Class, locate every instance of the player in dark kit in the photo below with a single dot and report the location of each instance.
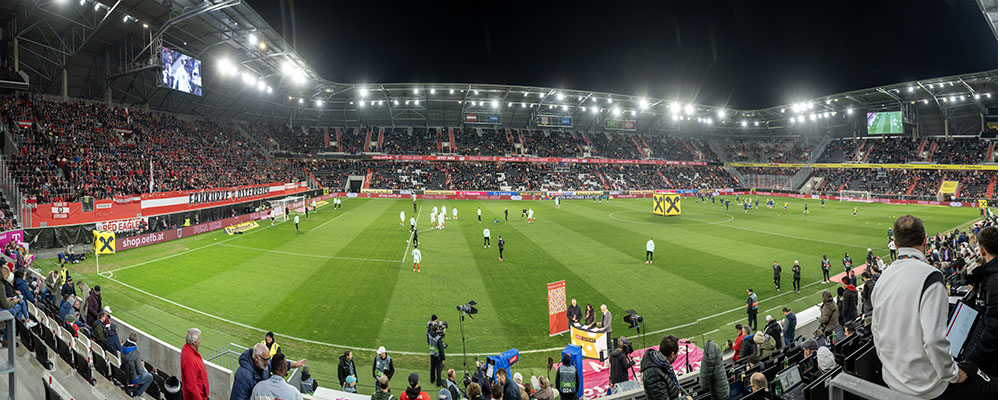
(777, 276)
(500, 242)
(524, 213)
(504, 216)
(415, 241)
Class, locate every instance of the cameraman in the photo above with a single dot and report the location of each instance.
(435, 340)
(620, 361)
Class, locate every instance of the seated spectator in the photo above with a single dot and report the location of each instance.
(413, 392)
(658, 379)
(825, 360)
(475, 392)
(275, 386)
(66, 306)
(765, 343)
(134, 367)
(308, 385)
(758, 383)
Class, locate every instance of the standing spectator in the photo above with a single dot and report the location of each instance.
(773, 329)
(510, 389)
(748, 350)
(738, 342)
(133, 366)
(253, 369)
(67, 288)
(712, 377)
(193, 374)
(567, 379)
(382, 388)
(829, 315)
(275, 386)
(346, 368)
(94, 305)
(848, 263)
(777, 276)
(796, 276)
(573, 313)
(658, 379)
(909, 324)
(383, 365)
(850, 310)
(790, 322)
(414, 392)
(751, 309)
(452, 386)
(984, 277)
(472, 392)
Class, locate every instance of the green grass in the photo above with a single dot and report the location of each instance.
(342, 281)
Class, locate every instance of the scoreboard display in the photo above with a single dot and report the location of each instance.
(619, 125)
(555, 121)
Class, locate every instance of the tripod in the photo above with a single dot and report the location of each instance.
(465, 356)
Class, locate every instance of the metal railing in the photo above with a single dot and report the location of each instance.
(227, 356)
(846, 383)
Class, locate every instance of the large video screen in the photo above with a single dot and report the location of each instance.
(885, 123)
(181, 72)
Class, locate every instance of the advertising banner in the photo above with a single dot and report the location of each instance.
(104, 242)
(592, 342)
(948, 187)
(241, 227)
(531, 159)
(121, 225)
(666, 204)
(146, 239)
(557, 308)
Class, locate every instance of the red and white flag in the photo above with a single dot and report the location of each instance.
(128, 118)
(471, 117)
(24, 123)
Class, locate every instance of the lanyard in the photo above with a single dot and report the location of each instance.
(905, 256)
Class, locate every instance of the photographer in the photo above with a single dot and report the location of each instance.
(435, 340)
(620, 361)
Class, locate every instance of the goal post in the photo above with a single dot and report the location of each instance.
(292, 203)
(855, 195)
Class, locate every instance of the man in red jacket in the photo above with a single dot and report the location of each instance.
(738, 342)
(193, 375)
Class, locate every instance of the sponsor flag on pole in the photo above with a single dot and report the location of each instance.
(151, 176)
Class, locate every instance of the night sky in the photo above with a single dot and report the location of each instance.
(735, 54)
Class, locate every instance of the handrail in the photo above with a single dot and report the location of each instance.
(847, 383)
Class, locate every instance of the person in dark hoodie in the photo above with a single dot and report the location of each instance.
(382, 389)
(773, 329)
(619, 362)
(984, 278)
(133, 366)
(658, 379)
(748, 349)
(850, 310)
(712, 377)
(510, 390)
(346, 367)
(414, 392)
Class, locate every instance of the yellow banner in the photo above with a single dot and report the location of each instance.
(382, 191)
(240, 228)
(666, 204)
(640, 192)
(104, 242)
(869, 166)
(948, 187)
(588, 192)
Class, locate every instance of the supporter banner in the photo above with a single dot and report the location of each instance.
(531, 159)
(446, 192)
(104, 242)
(241, 227)
(874, 200)
(910, 166)
(592, 342)
(557, 308)
(23, 123)
(376, 191)
(174, 234)
(640, 192)
(766, 165)
(948, 187)
(121, 225)
(666, 204)
(151, 204)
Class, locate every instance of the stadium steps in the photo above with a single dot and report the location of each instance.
(868, 152)
(912, 186)
(989, 154)
(820, 148)
(930, 153)
(246, 135)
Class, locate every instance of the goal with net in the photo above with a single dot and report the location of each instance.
(856, 195)
(290, 203)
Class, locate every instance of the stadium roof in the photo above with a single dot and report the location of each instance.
(109, 51)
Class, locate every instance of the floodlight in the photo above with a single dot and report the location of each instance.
(451, 91)
(689, 109)
(616, 111)
(802, 118)
(363, 92)
(380, 102)
(480, 102)
(593, 110)
(812, 117)
(609, 100)
(850, 111)
(559, 96)
(941, 85)
(826, 115)
(247, 78)
(743, 123)
(952, 98)
(675, 106)
(551, 106)
(433, 91)
(494, 104)
(145, 26)
(97, 6)
(476, 92)
(540, 95)
(125, 19)
(510, 104)
(301, 101)
(269, 90)
(643, 103)
(261, 85)
(525, 94)
(252, 39)
(925, 101)
(989, 96)
(791, 121)
(579, 98)
(361, 104)
(756, 123)
(319, 103)
(416, 102)
(722, 114)
(416, 91)
(977, 96)
(782, 110)
(960, 98)
(583, 108)
(565, 107)
(372, 103)
(708, 121)
(594, 99)
(395, 102)
(944, 99)
(827, 101)
(523, 105)
(407, 102)
(262, 46)
(910, 89)
(633, 113)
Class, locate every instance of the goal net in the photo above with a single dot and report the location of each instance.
(856, 195)
(291, 203)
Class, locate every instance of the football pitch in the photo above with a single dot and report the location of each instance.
(345, 280)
